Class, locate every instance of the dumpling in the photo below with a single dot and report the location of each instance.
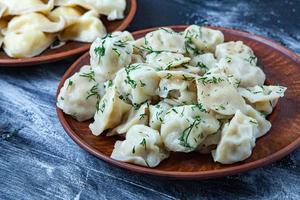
(199, 39)
(263, 98)
(247, 74)
(135, 116)
(113, 9)
(111, 53)
(162, 39)
(29, 35)
(110, 112)
(263, 125)
(216, 93)
(80, 27)
(137, 83)
(81, 93)
(34, 21)
(185, 127)
(157, 113)
(142, 146)
(17, 7)
(237, 140)
(166, 60)
(27, 44)
(204, 62)
(178, 86)
(236, 49)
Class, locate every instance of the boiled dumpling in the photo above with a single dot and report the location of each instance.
(247, 74)
(80, 26)
(86, 29)
(110, 112)
(237, 139)
(163, 39)
(34, 21)
(27, 44)
(157, 113)
(202, 40)
(70, 14)
(114, 9)
(177, 86)
(263, 98)
(216, 93)
(29, 35)
(111, 52)
(135, 116)
(137, 83)
(204, 62)
(20, 7)
(81, 93)
(185, 127)
(263, 125)
(142, 146)
(236, 49)
(166, 60)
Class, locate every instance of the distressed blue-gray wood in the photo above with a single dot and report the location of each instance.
(39, 161)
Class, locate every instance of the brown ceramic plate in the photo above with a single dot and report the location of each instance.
(71, 48)
(280, 65)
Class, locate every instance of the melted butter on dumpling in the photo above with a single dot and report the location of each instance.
(20, 7)
(114, 9)
(142, 146)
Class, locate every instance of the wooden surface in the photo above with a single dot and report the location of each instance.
(38, 160)
(283, 138)
(70, 48)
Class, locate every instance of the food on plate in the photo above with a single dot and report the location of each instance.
(173, 92)
(29, 27)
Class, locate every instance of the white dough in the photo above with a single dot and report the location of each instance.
(111, 53)
(80, 94)
(142, 146)
(185, 127)
(237, 140)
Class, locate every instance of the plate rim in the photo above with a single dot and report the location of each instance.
(202, 175)
(42, 59)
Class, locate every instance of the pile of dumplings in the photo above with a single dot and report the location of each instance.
(172, 92)
(28, 27)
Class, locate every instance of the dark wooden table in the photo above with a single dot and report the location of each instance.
(38, 160)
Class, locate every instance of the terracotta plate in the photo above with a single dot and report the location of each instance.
(71, 48)
(281, 67)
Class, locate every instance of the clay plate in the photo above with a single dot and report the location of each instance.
(281, 67)
(71, 48)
